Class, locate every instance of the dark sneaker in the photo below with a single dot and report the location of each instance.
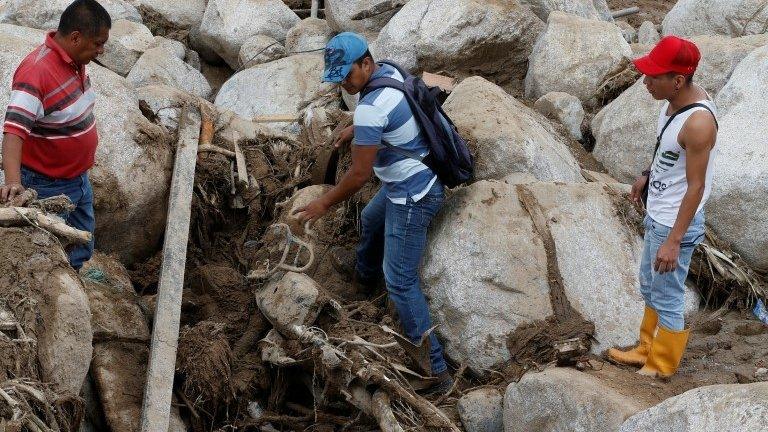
(441, 387)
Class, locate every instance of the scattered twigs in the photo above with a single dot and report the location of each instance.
(215, 149)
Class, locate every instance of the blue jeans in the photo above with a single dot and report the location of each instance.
(393, 239)
(80, 193)
(664, 292)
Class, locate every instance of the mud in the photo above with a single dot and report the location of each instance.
(650, 10)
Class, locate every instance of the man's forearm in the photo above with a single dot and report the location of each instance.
(12, 158)
(350, 183)
(687, 212)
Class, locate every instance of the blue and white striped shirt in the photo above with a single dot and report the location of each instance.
(385, 116)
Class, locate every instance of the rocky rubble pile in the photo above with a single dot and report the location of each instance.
(557, 120)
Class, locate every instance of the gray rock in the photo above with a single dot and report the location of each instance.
(160, 66)
(339, 15)
(509, 136)
(565, 108)
(719, 57)
(308, 35)
(647, 33)
(206, 52)
(192, 58)
(473, 37)
(485, 267)
(293, 299)
(227, 24)
(260, 49)
(172, 46)
(482, 411)
(575, 55)
(736, 210)
(45, 14)
(731, 18)
(582, 8)
(127, 41)
(282, 95)
(629, 32)
(179, 15)
(565, 400)
(721, 408)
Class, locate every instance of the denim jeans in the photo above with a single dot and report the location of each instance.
(80, 192)
(664, 292)
(392, 240)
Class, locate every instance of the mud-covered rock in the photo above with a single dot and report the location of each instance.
(293, 299)
(560, 399)
(506, 135)
(339, 15)
(470, 37)
(482, 410)
(575, 55)
(167, 15)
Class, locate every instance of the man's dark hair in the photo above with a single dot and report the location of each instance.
(86, 16)
(359, 61)
(688, 78)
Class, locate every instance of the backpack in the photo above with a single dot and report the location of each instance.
(449, 157)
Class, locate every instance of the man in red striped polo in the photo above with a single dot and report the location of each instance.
(50, 136)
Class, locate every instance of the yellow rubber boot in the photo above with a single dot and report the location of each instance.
(666, 352)
(637, 355)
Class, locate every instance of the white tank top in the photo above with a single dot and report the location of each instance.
(668, 182)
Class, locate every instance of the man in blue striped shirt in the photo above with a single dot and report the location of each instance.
(395, 222)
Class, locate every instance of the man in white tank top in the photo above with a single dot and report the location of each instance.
(679, 182)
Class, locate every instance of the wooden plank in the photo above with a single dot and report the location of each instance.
(313, 10)
(156, 408)
(625, 12)
(242, 168)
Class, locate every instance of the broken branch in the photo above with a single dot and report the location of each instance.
(21, 216)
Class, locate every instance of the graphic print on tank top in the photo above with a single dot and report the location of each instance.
(668, 182)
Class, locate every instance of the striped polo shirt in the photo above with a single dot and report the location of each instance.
(51, 109)
(385, 116)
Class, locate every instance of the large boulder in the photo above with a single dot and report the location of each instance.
(45, 14)
(625, 133)
(286, 86)
(308, 35)
(260, 49)
(44, 295)
(719, 57)
(736, 210)
(731, 18)
(582, 8)
(227, 24)
(127, 41)
(560, 400)
(481, 410)
(339, 15)
(470, 37)
(728, 407)
(132, 173)
(564, 108)
(507, 136)
(575, 55)
(485, 267)
(164, 15)
(161, 66)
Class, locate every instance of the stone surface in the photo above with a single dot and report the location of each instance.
(482, 411)
(575, 55)
(44, 295)
(565, 108)
(629, 32)
(173, 46)
(564, 400)
(260, 49)
(300, 199)
(731, 18)
(308, 35)
(339, 15)
(647, 33)
(45, 14)
(470, 37)
(293, 299)
(227, 24)
(132, 173)
(736, 210)
(722, 408)
(507, 135)
(485, 267)
(127, 41)
(582, 8)
(288, 84)
(625, 133)
(171, 14)
(719, 57)
(160, 66)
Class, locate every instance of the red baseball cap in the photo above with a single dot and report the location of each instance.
(671, 54)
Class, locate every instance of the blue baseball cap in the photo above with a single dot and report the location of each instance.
(340, 53)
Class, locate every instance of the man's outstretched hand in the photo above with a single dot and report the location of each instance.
(345, 137)
(312, 211)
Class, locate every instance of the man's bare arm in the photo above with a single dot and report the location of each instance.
(11, 167)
